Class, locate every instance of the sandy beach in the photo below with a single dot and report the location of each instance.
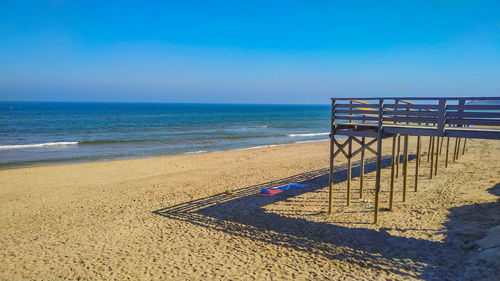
(168, 218)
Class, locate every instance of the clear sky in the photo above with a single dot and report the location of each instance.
(247, 51)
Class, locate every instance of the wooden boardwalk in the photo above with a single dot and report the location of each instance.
(368, 121)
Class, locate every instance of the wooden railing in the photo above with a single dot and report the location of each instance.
(428, 113)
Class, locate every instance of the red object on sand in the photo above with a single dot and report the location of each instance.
(271, 192)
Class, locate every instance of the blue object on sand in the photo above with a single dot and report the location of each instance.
(291, 186)
(271, 192)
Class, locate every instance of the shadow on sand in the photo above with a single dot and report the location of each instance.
(243, 215)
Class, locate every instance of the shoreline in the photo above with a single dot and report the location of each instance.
(8, 166)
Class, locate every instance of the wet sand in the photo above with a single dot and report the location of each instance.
(168, 218)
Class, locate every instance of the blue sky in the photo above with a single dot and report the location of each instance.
(247, 51)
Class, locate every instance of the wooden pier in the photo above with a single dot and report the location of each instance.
(368, 121)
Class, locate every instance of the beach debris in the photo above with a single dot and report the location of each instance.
(274, 191)
(309, 216)
(228, 192)
(368, 207)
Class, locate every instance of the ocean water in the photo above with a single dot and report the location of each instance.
(49, 132)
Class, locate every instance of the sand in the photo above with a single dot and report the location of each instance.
(167, 218)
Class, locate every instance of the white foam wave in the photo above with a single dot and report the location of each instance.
(20, 146)
(260, 146)
(196, 152)
(309, 141)
(308, 135)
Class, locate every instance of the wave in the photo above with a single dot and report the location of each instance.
(310, 141)
(260, 127)
(196, 152)
(263, 146)
(249, 137)
(308, 135)
(108, 141)
(21, 146)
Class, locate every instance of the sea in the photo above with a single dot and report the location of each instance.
(65, 132)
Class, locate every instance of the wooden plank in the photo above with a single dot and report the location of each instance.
(410, 130)
(413, 106)
(350, 117)
(414, 120)
(474, 107)
(395, 113)
(477, 114)
(351, 133)
(483, 122)
(472, 134)
(357, 112)
(347, 105)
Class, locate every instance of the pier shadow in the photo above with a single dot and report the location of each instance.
(243, 215)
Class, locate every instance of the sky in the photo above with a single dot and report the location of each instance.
(247, 51)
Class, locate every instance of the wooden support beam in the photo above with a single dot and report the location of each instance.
(340, 148)
(419, 149)
(417, 165)
(405, 167)
(349, 170)
(463, 150)
(458, 147)
(429, 149)
(455, 150)
(393, 173)
(398, 158)
(365, 146)
(332, 138)
(362, 172)
(379, 158)
(432, 157)
(447, 151)
(438, 139)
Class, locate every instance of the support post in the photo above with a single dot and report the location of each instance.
(379, 157)
(437, 155)
(405, 167)
(458, 147)
(432, 157)
(393, 173)
(349, 171)
(429, 149)
(361, 176)
(417, 164)
(419, 150)
(455, 150)
(332, 138)
(398, 157)
(463, 150)
(447, 151)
